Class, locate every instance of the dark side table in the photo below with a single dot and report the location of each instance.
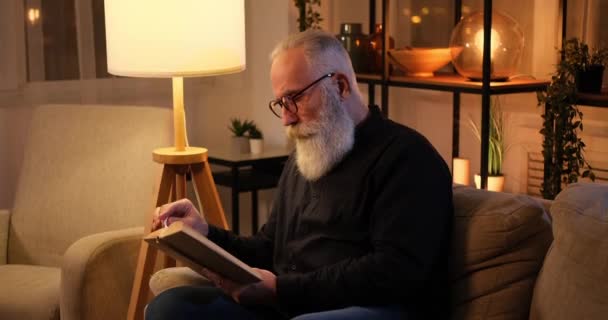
(247, 173)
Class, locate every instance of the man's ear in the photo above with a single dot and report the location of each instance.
(343, 85)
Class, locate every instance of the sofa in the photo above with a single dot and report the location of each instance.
(514, 256)
(68, 245)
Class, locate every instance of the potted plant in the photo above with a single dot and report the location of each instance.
(308, 16)
(586, 66)
(496, 150)
(563, 149)
(256, 142)
(239, 142)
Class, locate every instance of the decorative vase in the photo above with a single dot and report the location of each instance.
(506, 47)
(256, 145)
(590, 80)
(357, 45)
(495, 183)
(239, 145)
(376, 42)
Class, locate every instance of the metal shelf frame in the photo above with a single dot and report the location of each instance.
(449, 82)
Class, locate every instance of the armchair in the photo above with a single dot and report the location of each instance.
(69, 245)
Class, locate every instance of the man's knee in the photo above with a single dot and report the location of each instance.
(356, 313)
(172, 303)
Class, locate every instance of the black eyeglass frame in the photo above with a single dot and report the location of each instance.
(283, 104)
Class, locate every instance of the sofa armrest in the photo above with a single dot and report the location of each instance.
(5, 219)
(97, 275)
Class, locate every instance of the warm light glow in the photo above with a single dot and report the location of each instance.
(416, 19)
(466, 10)
(440, 10)
(505, 49)
(33, 15)
(424, 11)
(175, 38)
(494, 41)
(461, 171)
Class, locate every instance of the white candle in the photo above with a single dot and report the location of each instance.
(461, 171)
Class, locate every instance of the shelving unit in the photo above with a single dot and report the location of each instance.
(593, 100)
(455, 83)
(449, 82)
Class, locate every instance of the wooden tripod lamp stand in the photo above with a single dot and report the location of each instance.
(175, 39)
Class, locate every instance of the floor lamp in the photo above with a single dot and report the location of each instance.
(175, 39)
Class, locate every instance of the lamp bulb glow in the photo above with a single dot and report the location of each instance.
(506, 47)
(33, 15)
(494, 41)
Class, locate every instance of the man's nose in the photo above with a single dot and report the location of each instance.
(288, 117)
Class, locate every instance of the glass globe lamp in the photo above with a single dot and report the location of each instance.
(466, 46)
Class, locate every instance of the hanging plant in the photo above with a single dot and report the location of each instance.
(308, 14)
(563, 149)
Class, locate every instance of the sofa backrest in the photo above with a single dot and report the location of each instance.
(573, 283)
(499, 243)
(86, 169)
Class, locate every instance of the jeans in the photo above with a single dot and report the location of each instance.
(211, 303)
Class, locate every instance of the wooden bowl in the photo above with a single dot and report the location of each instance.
(420, 62)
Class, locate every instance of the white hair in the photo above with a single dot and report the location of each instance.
(323, 53)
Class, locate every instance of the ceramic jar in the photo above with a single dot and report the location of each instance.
(357, 45)
(376, 44)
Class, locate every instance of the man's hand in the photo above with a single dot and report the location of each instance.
(180, 210)
(260, 293)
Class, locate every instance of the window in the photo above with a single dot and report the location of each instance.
(65, 39)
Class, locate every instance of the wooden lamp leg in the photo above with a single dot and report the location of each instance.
(205, 187)
(173, 187)
(147, 256)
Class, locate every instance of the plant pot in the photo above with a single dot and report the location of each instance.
(239, 145)
(590, 80)
(495, 183)
(256, 146)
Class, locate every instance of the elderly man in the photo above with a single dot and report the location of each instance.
(360, 226)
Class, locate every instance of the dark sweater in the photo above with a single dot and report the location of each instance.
(374, 230)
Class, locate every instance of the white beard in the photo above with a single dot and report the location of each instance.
(322, 144)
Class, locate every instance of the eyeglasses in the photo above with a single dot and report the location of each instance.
(289, 101)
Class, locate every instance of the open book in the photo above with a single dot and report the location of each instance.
(196, 251)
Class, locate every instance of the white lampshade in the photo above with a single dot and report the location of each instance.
(175, 38)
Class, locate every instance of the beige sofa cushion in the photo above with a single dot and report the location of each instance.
(29, 292)
(86, 169)
(499, 243)
(573, 283)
